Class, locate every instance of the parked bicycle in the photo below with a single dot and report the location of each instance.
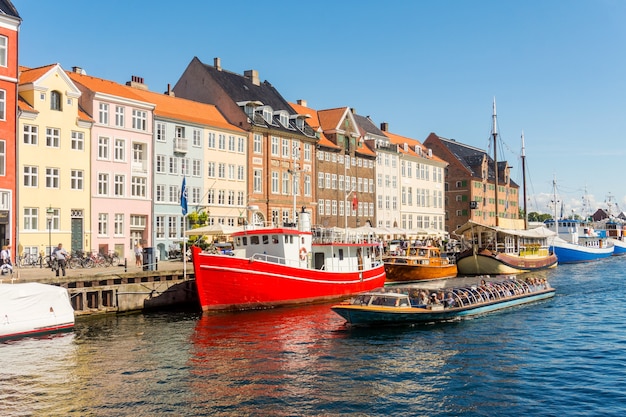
(80, 260)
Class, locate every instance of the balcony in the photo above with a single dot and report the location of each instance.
(180, 145)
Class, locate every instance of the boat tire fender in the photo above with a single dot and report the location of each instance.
(302, 254)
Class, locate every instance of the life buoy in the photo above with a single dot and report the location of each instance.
(302, 254)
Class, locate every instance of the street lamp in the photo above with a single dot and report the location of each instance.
(49, 215)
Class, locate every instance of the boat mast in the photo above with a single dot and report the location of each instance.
(524, 181)
(495, 155)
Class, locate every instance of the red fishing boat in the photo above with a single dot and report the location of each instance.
(290, 264)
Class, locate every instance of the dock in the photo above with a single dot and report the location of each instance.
(119, 289)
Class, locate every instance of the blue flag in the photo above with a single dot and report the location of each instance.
(183, 197)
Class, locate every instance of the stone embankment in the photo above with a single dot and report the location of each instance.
(119, 289)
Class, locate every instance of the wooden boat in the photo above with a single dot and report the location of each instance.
(32, 309)
(289, 264)
(502, 251)
(509, 246)
(420, 264)
(411, 305)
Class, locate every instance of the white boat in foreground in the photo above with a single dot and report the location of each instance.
(32, 309)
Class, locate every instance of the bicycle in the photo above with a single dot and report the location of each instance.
(78, 259)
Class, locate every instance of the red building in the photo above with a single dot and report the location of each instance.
(9, 28)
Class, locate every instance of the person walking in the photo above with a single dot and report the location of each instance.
(60, 254)
(138, 253)
(5, 257)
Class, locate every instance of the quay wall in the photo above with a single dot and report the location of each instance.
(119, 289)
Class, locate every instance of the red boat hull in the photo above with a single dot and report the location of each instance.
(231, 283)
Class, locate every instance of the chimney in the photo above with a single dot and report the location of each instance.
(169, 91)
(384, 126)
(217, 63)
(137, 82)
(252, 75)
(79, 70)
(302, 103)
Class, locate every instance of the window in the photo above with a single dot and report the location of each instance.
(30, 135)
(160, 227)
(241, 145)
(196, 139)
(231, 171)
(119, 151)
(160, 193)
(103, 148)
(211, 169)
(258, 142)
(55, 100)
(52, 177)
(30, 176)
(275, 146)
(211, 140)
(307, 185)
(139, 119)
(196, 167)
(53, 137)
(3, 51)
(307, 151)
(138, 186)
(240, 172)
(103, 113)
(221, 170)
(30, 218)
(118, 225)
(78, 141)
(103, 184)
(160, 164)
(258, 181)
(285, 183)
(160, 132)
(285, 148)
(103, 224)
(173, 165)
(119, 116)
(118, 185)
(3, 168)
(231, 143)
(221, 142)
(138, 153)
(275, 189)
(77, 179)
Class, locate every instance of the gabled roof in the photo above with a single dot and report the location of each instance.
(314, 122)
(367, 127)
(243, 89)
(330, 119)
(111, 88)
(7, 8)
(25, 106)
(412, 144)
(182, 109)
(471, 158)
(30, 75)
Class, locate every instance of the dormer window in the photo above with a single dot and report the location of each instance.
(249, 107)
(55, 101)
(267, 113)
(283, 117)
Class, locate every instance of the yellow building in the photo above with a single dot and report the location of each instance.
(53, 163)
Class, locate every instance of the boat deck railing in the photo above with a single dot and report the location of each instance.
(475, 294)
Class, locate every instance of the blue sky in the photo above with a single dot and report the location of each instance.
(556, 68)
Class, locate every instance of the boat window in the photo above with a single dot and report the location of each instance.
(302, 240)
(238, 241)
(266, 239)
(341, 254)
(274, 239)
(254, 240)
(244, 241)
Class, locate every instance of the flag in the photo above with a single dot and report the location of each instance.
(355, 203)
(183, 197)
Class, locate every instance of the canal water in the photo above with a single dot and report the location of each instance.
(561, 357)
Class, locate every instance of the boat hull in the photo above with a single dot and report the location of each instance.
(373, 316)
(569, 253)
(486, 262)
(397, 273)
(34, 309)
(619, 246)
(231, 283)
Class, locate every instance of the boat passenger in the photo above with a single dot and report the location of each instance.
(450, 301)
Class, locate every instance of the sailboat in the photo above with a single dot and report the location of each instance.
(576, 239)
(509, 246)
